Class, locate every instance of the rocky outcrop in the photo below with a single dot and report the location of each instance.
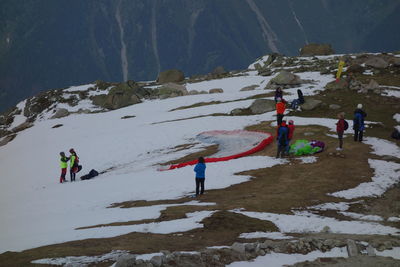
(171, 76)
(249, 88)
(61, 112)
(218, 72)
(311, 104)
(284, 79)
(316, 50)
(355, 68)
(376, 62)
(171, 90)
(337, 85)
(260, 106)
(216, 91)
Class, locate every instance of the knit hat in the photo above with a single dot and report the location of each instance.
(359, 106)
(71, 150)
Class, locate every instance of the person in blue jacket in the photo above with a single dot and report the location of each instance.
(200, 170)
(283, 140)
(358, 123)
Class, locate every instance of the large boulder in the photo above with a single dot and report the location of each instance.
(311, 104)
(372, 85)
(218, 71)
(172, 90)
(337, 85)
(216, 91)
(260, 106)
(61, 112)
(316, 50)
(355, 68)
(376, 62)
(170, 76)
(286, 78)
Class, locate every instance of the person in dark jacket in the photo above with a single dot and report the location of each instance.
(278, 94)
(200, 170)
(340, 125)
(291, 128)
(300, 97)
(63, 166)
(282, 138)
(358, 123)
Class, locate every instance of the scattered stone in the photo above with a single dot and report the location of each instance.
(316, 49)
(157, 261)
(57, 126)
(260, 106)
(237, 112)
(355, 68)
(334, 106)
(216, 91)
(376, 62)
(172, 90)
(218, 71)
(326, 229)
(371, 251)
(311, 104)
(193, 92)
(352, 248)
(171, 76)
(128, 117)
(286, 78)
(238, 247)
(249, 88)
(334, 85)
(61, 112)
(372, 85)
(126, 261)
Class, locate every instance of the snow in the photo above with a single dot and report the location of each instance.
(383, 147)
(279, 259)
(311, 223)
(19, 119)
(310, 159)
(39, 211)
(79, 88)
(395, 93)
(362, 217)
(269, 235)
(393, 219)
(340, 206)
(393, 253)
(386, 175)
(397, 117)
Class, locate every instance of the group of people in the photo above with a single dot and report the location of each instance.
(358, 125)
(74, 166)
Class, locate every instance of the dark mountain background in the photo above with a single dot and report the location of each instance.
(57, 43)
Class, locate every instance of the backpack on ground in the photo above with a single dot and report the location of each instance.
(346, 125)
(90, 175)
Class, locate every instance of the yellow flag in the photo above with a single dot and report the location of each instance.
(340, 69)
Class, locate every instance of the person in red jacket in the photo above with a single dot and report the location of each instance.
(280, 109)
(290, 135)
(340, 128)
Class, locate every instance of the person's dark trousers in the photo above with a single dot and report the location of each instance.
(73, 174)
(199, 183)
(279, 118)
(281, 151)
(358, 135)
(340, 136)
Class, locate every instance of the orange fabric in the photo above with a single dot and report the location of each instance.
(280, 108)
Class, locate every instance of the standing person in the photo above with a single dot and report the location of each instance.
(63, 166)
(358, 123)
(73, 164)
(300, 97)
(280, 109)
(282, 138)
(278, 94)
(291, 128)
(200, 170)
(340, 128)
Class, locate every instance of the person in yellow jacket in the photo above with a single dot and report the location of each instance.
(73, 164)
(63, 166)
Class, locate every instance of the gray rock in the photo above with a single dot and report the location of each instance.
(239, 247)
(61, 112)
(171, 76)
(126, 261)
(7, 139)
(193, 92)
(218, 71)
(249, 88)
(250, 247)
(260, 106)
(172, 90)
(286, 78)
(237, 111)
(157, 261)
(326, 229)
(352, 249)
(334, 85)
(311, 104)
(316, 49)
(371, 251)
(376, 62)
(216, 91)
(395, 61)
(334, 106)
(372, 85)
(22, 126)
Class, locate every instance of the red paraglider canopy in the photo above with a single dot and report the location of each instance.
(239, 143)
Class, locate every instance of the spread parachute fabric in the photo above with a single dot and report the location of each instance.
(232, 145)
(305, 147)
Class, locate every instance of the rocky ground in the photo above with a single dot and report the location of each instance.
(279, 189)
